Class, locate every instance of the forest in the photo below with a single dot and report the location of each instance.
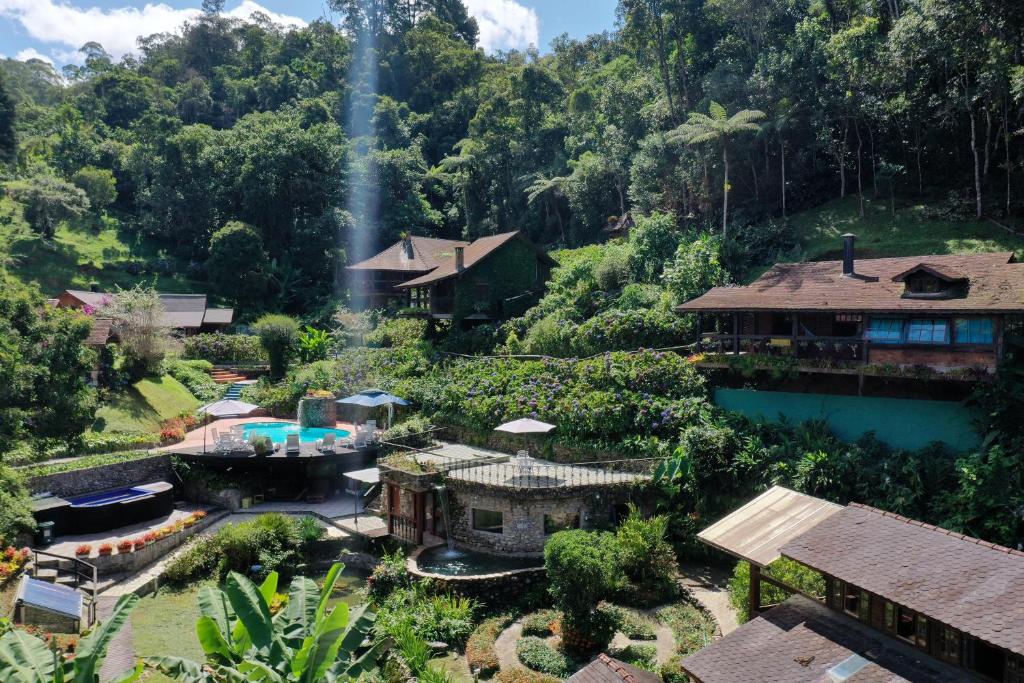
(241, 145)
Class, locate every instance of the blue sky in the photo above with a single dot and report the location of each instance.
(54, 29)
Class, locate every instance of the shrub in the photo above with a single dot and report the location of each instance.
(613, 271)
(641, 656)
(539, 656)
(124, 546)
(653, 242)
(310, 530)
(672, 671)
(278, 335)
(270, 540)
(197, 381)
(396, 332)
(632, 625)
(106, 549)
(198, 559)
(410, 432)
(223, 348)
(580, 569)
(447, 618)
(787, 571)
(389, 575)
(481, 656)
(15, 511)
(262, 445)
(521, 675)
(541, 623)
(646, 558)
(697, 267)
(691, 626)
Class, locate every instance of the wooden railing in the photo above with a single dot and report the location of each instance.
(80, 570)
(404, 528)
(806, 346)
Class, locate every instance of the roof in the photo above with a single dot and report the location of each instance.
(962, 582)
(475, 253)
(801, 640)
(428, 253)
(937, 269)
(540, 474)
(756, 531)
(51, 597)
(102, 329)
(996, 284)
(180, 310)
(218, 316)
(606, 669)
(94, 299)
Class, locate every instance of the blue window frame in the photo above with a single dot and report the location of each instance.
(974, 331)
(885, 330)
(928, 331)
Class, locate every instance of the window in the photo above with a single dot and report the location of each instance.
(885, 330)
(928, 331)
(989, 660)
(487, 520)
(922, 632)
(561, 521)
(1014, 669)
(836, 597)
(974, 331)
(864, 608)
(890, 615)
(905, 623)
(851, 601)
(949, 644)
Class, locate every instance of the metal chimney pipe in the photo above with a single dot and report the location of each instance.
(460, 258)
(848, 240)
(407, 243)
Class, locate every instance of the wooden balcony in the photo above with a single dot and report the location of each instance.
(806, 347)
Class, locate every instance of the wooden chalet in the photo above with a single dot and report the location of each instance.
(943, 312)
(376, 280)
(492, 278)
(902, 600)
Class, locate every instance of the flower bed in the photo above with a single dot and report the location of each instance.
(12, 562)
(481, 654)
(536, 654)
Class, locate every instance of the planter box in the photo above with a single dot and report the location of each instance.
(134, 561)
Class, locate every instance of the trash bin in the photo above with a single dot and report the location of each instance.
(44, 534)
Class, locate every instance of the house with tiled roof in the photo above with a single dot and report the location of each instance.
(185, 313)
(902, 600)
(944, 312)
(489, 278)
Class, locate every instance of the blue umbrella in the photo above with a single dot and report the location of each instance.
(373, 398)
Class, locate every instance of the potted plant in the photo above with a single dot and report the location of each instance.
(83, 550)
(106, 549)
(149, 537)
(124, 546)
(138, 544)
(199, 515)
(261, 445)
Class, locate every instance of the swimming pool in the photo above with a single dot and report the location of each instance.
(279, 431)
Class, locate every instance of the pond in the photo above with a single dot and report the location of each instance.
(164, 623)
(441, 560)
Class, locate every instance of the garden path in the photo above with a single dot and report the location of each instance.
(505, 646)
(121, 651)
(665, 643)
(709, 586)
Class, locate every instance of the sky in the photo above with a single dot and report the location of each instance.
(53, 30)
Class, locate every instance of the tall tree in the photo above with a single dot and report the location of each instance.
(8, 139)
(719, 128)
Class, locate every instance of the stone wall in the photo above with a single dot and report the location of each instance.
(104, 477)
(523, 514)
(117, 563)
(316, 411)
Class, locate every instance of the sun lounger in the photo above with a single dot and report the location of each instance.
(291, 444)
(327, 443)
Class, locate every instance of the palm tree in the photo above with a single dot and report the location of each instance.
(457, 169)
(549, 189)
(717, 126)
(785, 118)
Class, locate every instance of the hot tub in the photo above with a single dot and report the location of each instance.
(107, 510)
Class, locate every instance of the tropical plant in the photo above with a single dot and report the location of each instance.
(313, 344)
(278, 335)
(718, 127)
(306, 642)
(24, 658)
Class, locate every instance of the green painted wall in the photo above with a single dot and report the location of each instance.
(508, 272)
(899, 422)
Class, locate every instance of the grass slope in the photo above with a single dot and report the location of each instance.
(77, 256)
(144, 405)
(910, 233)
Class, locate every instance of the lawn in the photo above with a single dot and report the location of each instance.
(144, 405)
(80, 256)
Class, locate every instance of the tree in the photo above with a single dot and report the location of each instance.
(48, 201)
(784, 119)
(306, 642)
(236, 266)
(98, 184)
(279, 335)
(718, 127)
(8, 137)
(548, 188)
(580, 568)
(25, 658)
(137, 316)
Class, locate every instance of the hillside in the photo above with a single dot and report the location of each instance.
(144, 405)
(80, 256)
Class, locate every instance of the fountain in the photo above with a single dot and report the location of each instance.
(442, 497)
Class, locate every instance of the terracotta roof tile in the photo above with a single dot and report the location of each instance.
(606, 669)
(800, 640)
(100, 332)
(428, 253)
(996, 284)
(962, 582)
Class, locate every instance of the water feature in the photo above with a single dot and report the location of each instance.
(442, 496)
(279, 431)
(449, 562)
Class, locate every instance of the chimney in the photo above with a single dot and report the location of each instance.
(460, 259)
(848, 240)
(407, 245)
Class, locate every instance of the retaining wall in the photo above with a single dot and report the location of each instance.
(104, 477)
(496, 588)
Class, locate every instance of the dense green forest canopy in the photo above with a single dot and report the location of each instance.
(772, 105)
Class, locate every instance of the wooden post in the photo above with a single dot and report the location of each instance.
(700, 329)
(997, 323)
(735, 333)
(419, 514)
(755, 590)
(796, 333)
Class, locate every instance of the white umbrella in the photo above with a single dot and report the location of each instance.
(525, 425)
(228, 408)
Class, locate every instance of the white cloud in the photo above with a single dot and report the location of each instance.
(32, 53)
(54, 21)
(504, 24)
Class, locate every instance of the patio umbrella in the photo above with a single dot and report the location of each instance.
(374, 398)
(228, 408)
(525, 425)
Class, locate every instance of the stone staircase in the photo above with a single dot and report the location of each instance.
(226, 376)
(234, 392)
(73, 573)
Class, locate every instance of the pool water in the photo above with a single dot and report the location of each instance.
(97, 499)
(441, 560)
(279, 431)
